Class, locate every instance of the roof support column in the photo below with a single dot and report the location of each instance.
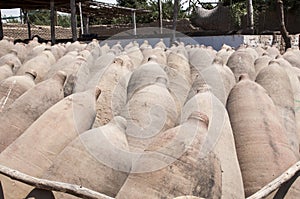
(73, 19)
(1, 27)
(52, 21)
(28, 24)
(81, 19)
(160, 16)
(134, 22)
(86, 22)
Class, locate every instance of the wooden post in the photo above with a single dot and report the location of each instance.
(28, 24)
(134, 22)
(160, 16)
(250, 21)
(21, 17)
(52, 21)
(1, 27)
(86, 22)
(283, 30)
(175, 15)
(73, 19)
(81, 19)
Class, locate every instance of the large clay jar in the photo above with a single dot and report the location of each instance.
(28, 107)
(13, 87)
(145, 75)
(275, 80)
(109, 81)
(150, 111)
(11, 57)
(241, 61)
(220, 78)
(262, 145)
(103, 151)
(37, 148)
(171, 166)
(219, 139)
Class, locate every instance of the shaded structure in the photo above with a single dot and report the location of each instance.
(84, 8)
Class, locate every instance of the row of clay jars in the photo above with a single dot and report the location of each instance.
(36, 149)
(28, 107)
(100, 160)
(262, 145)
(275, 80)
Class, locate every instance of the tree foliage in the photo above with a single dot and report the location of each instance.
(42, 17)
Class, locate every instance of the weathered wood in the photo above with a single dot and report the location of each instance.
(175, 16)
(28, 24)
(86, 20)
(1, 27)
(283, 30)
(134, 22)
(72, 189)
(160, 15)
(279, 182)
(250, 22)
(73, 19)
(52, 21)
(81, 18)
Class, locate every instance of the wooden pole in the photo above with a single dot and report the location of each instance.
(291, 174)
(86, 22)
(28, 24)
(160, 16)
(283, 30)
(81, 18)
(74, 190)
(1, 27)
(250, 16)
(175, 15)
(134, 22)
(52, 21)
(73, 20)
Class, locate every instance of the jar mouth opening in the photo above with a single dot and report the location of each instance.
(244, 76)
(203, 88)
(200, 116)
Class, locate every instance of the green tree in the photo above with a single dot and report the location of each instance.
(42, 17)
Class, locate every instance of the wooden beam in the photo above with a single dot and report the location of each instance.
(280, 181)
(72, 189)
(73, 20)
(1, 27)
(52, 21)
